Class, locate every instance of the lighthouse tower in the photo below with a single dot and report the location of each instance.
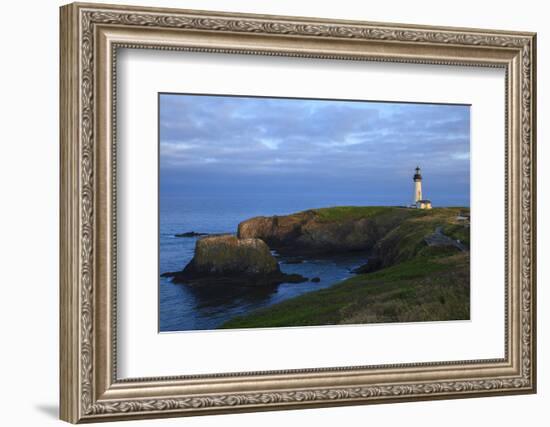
(417, 178)
(419, 202)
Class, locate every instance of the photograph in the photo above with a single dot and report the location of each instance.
(295, 212)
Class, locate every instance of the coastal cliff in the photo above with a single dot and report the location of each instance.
(325, 231)
(416, 265)
(388, 234)
(417, 269)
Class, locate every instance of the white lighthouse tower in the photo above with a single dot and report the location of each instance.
(419, 202)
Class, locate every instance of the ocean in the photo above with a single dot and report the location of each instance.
(182, 308)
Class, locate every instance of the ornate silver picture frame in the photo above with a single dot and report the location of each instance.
(91, 390)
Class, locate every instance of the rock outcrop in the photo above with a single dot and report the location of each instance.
(387, 235)
(226, 259)
(440, 239)
(190, 234)
(308, 232)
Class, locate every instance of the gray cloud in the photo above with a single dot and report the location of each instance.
(217, 141)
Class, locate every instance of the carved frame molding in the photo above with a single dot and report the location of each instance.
(90, 36)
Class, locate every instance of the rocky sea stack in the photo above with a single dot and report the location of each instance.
(228, 260)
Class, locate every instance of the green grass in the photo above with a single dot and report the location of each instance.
(412, 269)
(339, 213)
(422, 289)
(406, 240)
(458, 232)
(418, 283)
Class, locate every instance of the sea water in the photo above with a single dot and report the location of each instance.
(183, 308)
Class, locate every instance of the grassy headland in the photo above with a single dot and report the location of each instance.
(339, 213)
(413, 281)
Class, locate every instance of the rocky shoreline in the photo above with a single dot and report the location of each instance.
(386, 235)
(310, 233)
(417, 269)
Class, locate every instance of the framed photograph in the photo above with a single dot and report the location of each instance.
(266, 212)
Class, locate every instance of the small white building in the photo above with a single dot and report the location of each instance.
(419, 202)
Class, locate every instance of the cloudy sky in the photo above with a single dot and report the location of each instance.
(237, 145)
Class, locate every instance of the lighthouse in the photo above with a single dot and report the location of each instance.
(419, 202)
(417, 178)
